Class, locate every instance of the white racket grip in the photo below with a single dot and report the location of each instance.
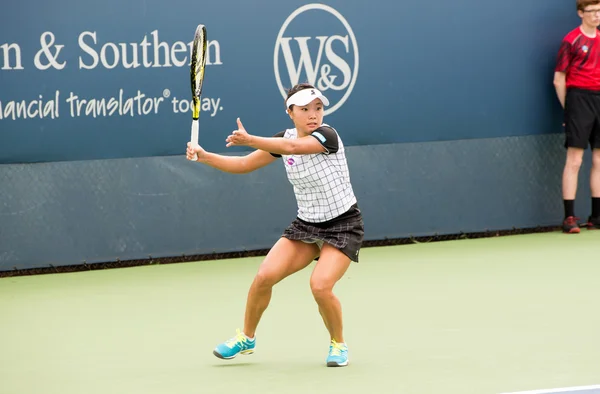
(194, 137)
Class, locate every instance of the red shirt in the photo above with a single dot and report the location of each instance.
(579, 58)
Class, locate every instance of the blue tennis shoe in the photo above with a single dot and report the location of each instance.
(338, 354)
(236, 345)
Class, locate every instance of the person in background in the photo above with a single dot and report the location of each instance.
(577, 83)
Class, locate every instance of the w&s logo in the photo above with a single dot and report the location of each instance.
(317, 45)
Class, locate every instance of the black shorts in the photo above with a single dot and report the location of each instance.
(582, 118)
(345, 232)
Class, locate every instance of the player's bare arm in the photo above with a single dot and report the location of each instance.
(231, 164)
(281, 146)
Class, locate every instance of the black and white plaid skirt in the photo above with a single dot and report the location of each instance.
(345, 232)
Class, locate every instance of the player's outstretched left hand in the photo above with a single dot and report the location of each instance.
(238, 137)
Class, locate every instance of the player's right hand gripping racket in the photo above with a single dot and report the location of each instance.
(198, 60)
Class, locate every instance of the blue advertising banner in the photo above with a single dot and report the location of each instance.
(86, 80)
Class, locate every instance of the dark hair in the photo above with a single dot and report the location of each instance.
(582, 4)
(299, 87)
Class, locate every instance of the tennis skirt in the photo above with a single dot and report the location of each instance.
(346, 232)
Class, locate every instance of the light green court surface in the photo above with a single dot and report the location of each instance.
(474, 316)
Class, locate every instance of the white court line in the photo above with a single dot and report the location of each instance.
(565, 389)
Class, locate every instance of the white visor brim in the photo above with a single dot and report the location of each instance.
(305, 97)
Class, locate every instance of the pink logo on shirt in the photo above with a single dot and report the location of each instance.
(290, 161)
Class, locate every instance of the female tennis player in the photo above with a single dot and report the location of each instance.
(328, 227)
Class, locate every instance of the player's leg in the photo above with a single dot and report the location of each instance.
(285, 258)
(328, 271)
(579, 123)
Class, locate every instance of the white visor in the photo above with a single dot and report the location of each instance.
(306, 96)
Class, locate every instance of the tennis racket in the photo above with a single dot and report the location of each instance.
(197, 63)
